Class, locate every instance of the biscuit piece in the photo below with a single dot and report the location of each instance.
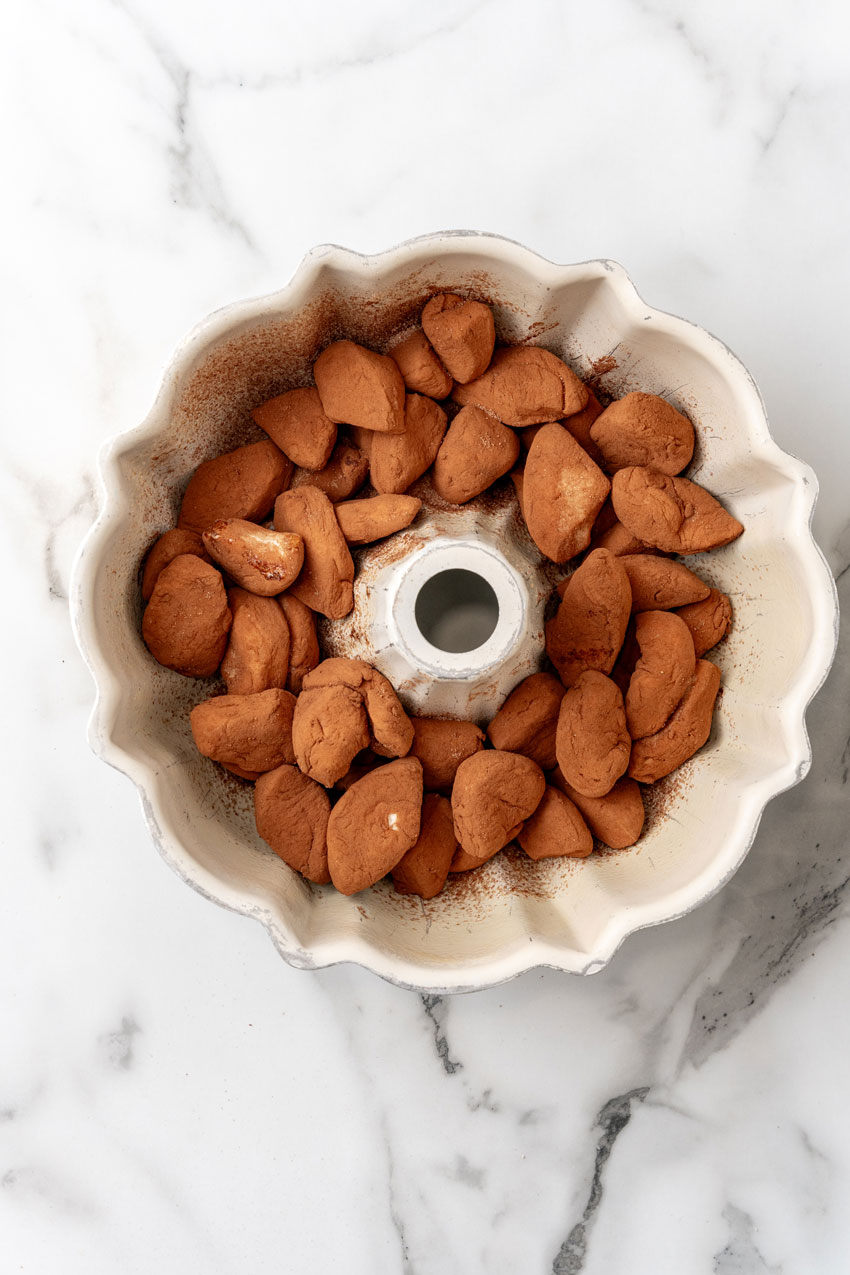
(421, 370)
(493, 794)
(616, 819)
(476, 450)
(463, 862)
(525, 385)
(462, 333)
(329, 729)
(580, 424)
(291, 813)
(296, 423)
(374, 824)
(708, 621)
(684, 734)
(391, 728)
(253, 732)
(240, 484)
(169, 546)
(257, 655)
(588, 629)
(326, 578)
(360, 387)
(618, 540)
(528, 719)
(669, 513)
(397, 460)
(187, 620)
(441, 744)
(303, 642)
(592, 741)
(555, 829)
(344, 474)
(362, 521)
(662, 674)
(643, 429)
(261, 561)
(563, 491)
(425, 866)
(659, 584)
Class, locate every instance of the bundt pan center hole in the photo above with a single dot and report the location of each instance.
(457, 610)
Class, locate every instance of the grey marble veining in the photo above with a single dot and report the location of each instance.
(173, 1098)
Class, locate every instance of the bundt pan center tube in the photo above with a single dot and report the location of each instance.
(453, 577)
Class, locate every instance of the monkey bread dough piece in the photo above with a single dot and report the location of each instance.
(580, 423)
(170, 545)
(662, 674)
(593, 742)
(397, 460)
(476, 450)
(659, 584)
(291, 813)
(258, 652)
(240, 484)
(258, 559)
(344, 474)
(616, 819)
(441, 744)
(360, 387)
(525, 385)
(527, 721)
(253, 732)
(563, 491)
(708, 621)
(391, 728)
(421, 370)
(556, 829)
(425, 866)
(494, 793)
(329, 729)
(296, 423)
(374, 824)
(462, 333)
(684, 734)
(326, 579)
(463, 862)
(362, 521)
(186, 622)
(644, 429)
(590, 624)
(303, 642)
(670, 513)
(618, 540)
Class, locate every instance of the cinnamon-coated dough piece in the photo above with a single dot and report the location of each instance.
(240, 484)
(187, 620)
(662, 674)
(253, 732)
(291, 813)
(421, 370)
(556, 829)
(326, 580)
(494, 793)
(528, 719)
(374, 824)
(462, 333)
(476, 450)
(360, 387)
(563, 491)
(296, 423)
(670, 513)
(592, 742)
(425, 866)
(397, 460)
(257, 655)
(590, 624)
(644, 429)
(684, 734)
(525, 385)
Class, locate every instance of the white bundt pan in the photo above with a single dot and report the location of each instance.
(513, 915)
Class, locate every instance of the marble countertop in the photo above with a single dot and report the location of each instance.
(173, 1097)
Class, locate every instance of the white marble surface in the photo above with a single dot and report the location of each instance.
(173, 1098)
